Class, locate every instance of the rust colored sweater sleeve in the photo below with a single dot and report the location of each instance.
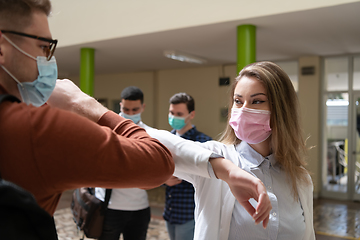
(48, 151)
(149, 160)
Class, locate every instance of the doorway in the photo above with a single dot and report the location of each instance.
(341, 131)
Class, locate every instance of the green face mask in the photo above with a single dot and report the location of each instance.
(176, 122)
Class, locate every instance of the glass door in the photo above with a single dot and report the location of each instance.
(336, 128)
(354, 172)
(341, 129)
(356, 130)
(335, 164)
(341, 169)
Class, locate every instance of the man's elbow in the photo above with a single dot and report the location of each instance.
(165, 170)
(169, 168)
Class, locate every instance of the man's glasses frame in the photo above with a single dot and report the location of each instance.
(49, 51)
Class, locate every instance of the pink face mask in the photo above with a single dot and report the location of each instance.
(250, 125)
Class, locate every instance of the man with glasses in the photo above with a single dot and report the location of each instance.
(48, 50)
(47, 150)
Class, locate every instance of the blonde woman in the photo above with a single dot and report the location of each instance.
(264, 138)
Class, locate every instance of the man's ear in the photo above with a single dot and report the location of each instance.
(143, 106)
(192, 114)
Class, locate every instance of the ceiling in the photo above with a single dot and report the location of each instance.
(325, 31)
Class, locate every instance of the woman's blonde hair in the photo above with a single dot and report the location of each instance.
(287, 142)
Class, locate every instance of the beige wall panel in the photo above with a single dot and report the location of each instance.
(109, 86)
(309, 96)
(224, 92)
(75, 79)
(202, 84)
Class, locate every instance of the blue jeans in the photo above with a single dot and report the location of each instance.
(181, 231)
(132, 224)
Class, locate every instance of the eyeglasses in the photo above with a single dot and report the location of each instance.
(49, 51)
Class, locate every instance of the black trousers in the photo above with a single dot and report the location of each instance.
(132, 224)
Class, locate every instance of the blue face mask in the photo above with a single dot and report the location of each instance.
(136, 118)
(38, 91)
(176, 123)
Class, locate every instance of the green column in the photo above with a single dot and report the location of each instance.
(87, 70)
(246, 46)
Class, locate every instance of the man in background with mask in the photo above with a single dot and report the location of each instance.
(180, 205)
(73, 141)
(128, 211)
(132, 105)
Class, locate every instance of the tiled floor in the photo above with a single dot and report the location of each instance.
(67, 230)
(333, 220)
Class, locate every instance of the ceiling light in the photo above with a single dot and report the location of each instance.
(183, 57)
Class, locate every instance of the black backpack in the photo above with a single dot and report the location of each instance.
(20, 215)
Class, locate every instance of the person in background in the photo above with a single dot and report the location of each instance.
(179, 199)
(128, 211)
(132, 105)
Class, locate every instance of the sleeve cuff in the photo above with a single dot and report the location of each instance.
(210, 168)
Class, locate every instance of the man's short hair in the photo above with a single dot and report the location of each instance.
(132, 93)
(183, 98)
(16, 15)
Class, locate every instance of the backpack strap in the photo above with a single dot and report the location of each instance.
(107, 198)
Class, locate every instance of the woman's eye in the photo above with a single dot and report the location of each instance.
(237, 101)
(258, 101)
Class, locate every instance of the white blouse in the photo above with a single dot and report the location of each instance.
(286, 217)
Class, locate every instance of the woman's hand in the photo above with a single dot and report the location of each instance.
(244, 186)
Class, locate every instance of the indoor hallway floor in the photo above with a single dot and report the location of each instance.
(333, 220)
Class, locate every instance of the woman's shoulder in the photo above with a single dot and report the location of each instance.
(213, 145)
(306, 182)
(219, 147)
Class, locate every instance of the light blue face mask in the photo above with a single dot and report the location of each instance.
(136, 118)
(38, 91)
(176, 123)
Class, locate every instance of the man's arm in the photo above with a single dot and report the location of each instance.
(120, 146)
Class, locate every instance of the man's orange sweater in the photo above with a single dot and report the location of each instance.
(47, 151)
